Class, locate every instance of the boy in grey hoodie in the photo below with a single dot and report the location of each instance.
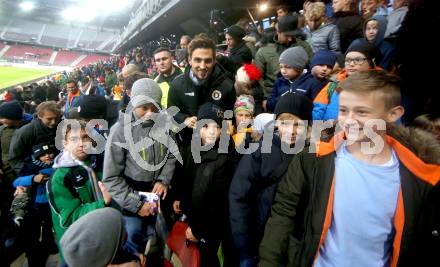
(139, 158)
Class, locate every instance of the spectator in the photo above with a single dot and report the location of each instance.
(346, 18)
(321, 67)
(373, 8)
(359, 57)
(239, 53)
(124, 175)
(202, 190)
(203, 82)
(74, 96)
(258, 174)
(139, 62)
(246, 83)
(293, 77)
(374, 32)
(184, 41)
(41, 129)
(244, 110)
(167, 72)
(110, 77)
(365, 199)
(71, 190)
(282, 11)
(101, 231)
(395, 19)
(266, 58)
(321, 34)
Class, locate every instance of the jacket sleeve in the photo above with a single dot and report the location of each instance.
(320, 104)
(334, 40)
(19, 144)
(70, 207)
(280, 226)
(167, 172)
(273, 98)
(114, 166)
(241, 199)
(23, 181)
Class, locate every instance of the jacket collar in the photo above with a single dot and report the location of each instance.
(418, 150)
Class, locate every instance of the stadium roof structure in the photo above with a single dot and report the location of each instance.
(111, 14)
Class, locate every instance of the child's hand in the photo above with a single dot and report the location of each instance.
(39, 178)
(105, 194)
(160, 189)
(19, 190)
(176, 207)
(147, 209)
(190, 236)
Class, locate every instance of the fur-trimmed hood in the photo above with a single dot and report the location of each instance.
(422, 143)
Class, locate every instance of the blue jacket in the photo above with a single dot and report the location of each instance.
(40, 189)
(74, 103)
(306, 84)
(250, 197)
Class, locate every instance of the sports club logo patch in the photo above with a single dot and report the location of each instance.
(216, 95)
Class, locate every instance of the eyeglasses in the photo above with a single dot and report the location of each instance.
(356, 60)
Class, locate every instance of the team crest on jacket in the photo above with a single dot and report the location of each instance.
(216, 95)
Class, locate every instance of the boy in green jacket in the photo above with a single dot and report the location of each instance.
(71, 192)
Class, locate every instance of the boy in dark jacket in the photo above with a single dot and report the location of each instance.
(360, 199)
(33, 216)
(293, 77)
(257, 176)
(201, 192)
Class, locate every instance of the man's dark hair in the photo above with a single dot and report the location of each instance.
(161, 49)
(283, 7)
(201, 41)
(72, 81)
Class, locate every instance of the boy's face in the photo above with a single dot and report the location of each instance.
(355, 61)
(288, 127)
(355, 109)
(210, 133)
(77, 143)
(47, 158)
(321, 71)
(289, 72)
(49, 119)
(230, 41)
(243, 117)
(146, 111)
(8, 122)
(371, 30)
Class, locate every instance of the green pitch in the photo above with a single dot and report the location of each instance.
(10, 76)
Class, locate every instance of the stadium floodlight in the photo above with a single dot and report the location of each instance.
(263, 7)
(79, 14)
(27, 6)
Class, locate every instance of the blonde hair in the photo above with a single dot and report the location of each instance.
(48, 106)
(315, 11)
(375, 81)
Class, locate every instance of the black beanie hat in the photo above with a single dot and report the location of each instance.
(41, 149)
(236, 32)
(11, 110)
(368, 50)
(92, 107)
(210, 111)
(296, 104)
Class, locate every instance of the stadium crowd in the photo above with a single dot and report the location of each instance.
(81, 152)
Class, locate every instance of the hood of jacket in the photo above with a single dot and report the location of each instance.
(65, 160)
(382, 28)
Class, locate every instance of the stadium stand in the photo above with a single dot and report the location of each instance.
(29, 53)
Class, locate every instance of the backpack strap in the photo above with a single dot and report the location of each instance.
(331, 89)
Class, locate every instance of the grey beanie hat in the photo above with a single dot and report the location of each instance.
(93, 239)
(145, 91)
(295, 57)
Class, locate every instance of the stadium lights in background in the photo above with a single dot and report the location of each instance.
(86, 11)
(263, 7)
(27, 6)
